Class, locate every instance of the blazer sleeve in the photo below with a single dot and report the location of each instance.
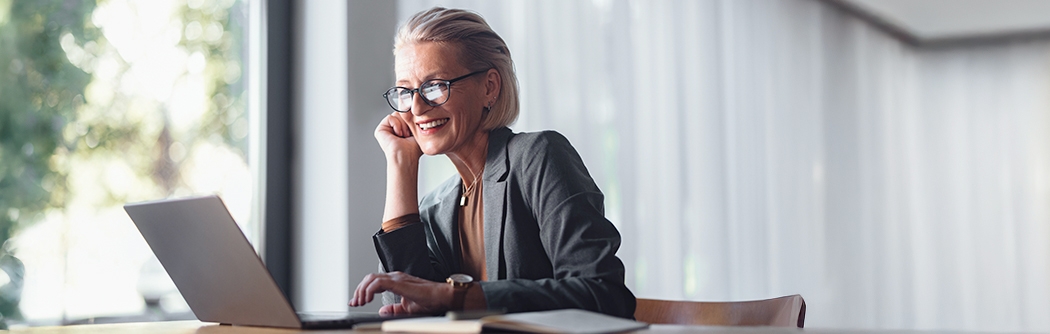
(579, 241)
(406, 249)
(423, 249)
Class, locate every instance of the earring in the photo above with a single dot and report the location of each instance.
(485, 109)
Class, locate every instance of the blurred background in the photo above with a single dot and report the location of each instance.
(887, 160)
(102, 104)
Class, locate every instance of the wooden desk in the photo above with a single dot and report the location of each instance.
(197, 327)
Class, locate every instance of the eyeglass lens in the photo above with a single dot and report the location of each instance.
(433, 92)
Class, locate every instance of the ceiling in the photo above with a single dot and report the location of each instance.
(940, 21)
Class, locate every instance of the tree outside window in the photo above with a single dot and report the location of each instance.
(103, 104)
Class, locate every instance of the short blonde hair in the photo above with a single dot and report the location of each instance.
(479, 47)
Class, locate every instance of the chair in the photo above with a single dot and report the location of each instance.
(787, 311)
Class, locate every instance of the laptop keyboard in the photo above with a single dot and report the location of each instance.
(323, 320)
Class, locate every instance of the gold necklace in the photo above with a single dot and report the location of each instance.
(463, 197)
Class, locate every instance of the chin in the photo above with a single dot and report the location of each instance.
(430, 149)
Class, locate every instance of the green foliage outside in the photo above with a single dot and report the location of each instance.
(48, 121)
(39, 91)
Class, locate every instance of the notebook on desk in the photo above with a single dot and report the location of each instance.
(218, 272)
(553, 321)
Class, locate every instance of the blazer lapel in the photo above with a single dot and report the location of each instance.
(497, 166)
(449, 229)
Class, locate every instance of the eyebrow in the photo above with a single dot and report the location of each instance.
(433, 76)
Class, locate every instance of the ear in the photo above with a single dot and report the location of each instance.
(493, 84)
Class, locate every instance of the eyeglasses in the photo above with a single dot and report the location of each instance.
(434, 92)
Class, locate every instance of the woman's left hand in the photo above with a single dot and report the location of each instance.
(417, 295)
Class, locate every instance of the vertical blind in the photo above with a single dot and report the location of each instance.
(750, 149)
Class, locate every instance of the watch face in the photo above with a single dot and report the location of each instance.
(461, 278)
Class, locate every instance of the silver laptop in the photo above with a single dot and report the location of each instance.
(218, 272)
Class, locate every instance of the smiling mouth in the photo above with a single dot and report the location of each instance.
(433, 124)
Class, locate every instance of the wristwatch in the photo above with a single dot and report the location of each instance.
(460, 283)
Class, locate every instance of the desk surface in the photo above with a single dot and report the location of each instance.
(187, 327)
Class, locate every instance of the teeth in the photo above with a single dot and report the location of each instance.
(433, 124)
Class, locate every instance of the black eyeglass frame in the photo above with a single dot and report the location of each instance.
(430, 82)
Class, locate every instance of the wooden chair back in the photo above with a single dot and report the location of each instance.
(787, 311)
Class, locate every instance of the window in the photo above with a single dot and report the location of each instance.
(100, 105)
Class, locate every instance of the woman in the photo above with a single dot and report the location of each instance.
(522, 227)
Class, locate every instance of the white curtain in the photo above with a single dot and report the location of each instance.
(757, 148)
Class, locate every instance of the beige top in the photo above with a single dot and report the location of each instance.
(472, 234)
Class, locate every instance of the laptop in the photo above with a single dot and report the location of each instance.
(218, 272)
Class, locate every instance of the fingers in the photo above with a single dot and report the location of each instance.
(372, 284)
(395, 137)
(383, 282)
(394, 124)
(403, 127)
(384, 126)
(361, 295)
(417, 294)
(354, 300)
(386, 310)
(392, 309)
(371, 289)
(406, 306)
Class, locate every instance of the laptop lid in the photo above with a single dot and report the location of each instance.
(211, 262)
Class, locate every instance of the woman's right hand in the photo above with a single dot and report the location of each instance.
(418, 296)
(395, 138)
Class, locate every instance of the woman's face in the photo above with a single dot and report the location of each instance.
(444, 128)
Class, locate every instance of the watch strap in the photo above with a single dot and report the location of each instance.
(459, 296)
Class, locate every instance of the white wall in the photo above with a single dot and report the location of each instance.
(338, 168)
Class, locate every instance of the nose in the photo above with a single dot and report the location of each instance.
(419, 107)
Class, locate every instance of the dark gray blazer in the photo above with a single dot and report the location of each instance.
(548, 244)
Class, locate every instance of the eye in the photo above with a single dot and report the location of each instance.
(404, 96)
(433, 92)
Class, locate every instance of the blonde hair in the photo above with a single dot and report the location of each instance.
(479, 47)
